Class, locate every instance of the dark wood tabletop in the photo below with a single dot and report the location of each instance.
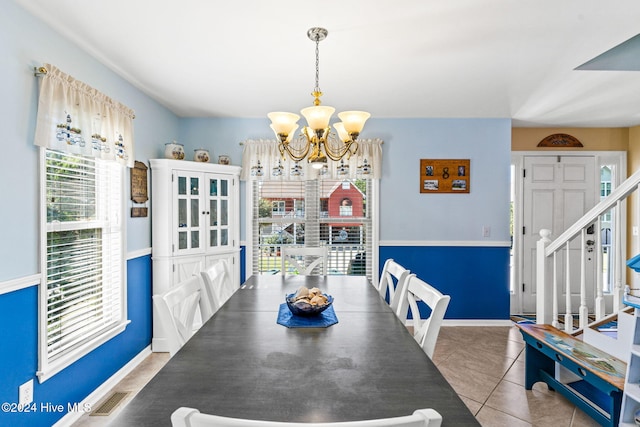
(242, 364)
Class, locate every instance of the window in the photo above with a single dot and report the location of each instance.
(327, 212)
(278, 207)
(346, 208)
(606, 226)
(83, 301)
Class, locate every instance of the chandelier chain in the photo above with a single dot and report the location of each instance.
(317, 88)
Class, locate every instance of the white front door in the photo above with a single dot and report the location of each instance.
(557, 191)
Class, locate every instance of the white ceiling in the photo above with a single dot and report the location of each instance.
(393, 58)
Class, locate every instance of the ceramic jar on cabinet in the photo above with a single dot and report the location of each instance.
(174, 150)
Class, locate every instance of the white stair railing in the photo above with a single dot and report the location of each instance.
(548, 284)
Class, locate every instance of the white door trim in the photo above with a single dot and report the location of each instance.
(617, 158)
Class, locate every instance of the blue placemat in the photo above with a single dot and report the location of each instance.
(322, 320)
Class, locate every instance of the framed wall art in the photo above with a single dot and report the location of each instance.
(139, 193)
(445, 175)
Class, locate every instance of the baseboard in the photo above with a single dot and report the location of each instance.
(92, 399)
(470, 322)
(477, 322)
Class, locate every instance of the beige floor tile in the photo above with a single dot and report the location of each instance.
(494, 339)
(489, 417)
(515, 334)
(516, 372)
(539, 406)
(444, 349)
(580, 419)
(499, 347)
(461, 334)
(479, 361)
(474, 385)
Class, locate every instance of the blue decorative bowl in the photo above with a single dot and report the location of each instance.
(304, 309)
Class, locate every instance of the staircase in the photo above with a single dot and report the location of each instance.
(579, 320)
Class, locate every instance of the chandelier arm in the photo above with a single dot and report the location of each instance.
(341, 152)
(295, 155)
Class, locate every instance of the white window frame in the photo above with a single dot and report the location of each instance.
(278, 207)
(49, 366)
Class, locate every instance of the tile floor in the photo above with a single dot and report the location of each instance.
(484, 365)
(486, 368)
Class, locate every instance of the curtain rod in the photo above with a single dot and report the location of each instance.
(39, 71)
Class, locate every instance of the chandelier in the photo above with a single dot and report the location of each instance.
(316, 142)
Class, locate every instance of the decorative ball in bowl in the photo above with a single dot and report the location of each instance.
(308, 302)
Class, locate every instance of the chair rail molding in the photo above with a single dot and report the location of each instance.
(138, 253)
(34, 279)
(461, 243)
(19, 283)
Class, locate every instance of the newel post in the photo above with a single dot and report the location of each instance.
(544, 294)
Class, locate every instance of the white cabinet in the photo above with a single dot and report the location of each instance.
(195, 221)
(631, 395)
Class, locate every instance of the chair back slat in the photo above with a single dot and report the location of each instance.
(307, 261)
(218, 287)
(425, 331)
(177, 310)
(392, 279)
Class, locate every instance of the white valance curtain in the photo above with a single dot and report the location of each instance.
(261, 160)
(75, 118)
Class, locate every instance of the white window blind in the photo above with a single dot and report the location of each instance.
(312, 214)
(83, 291)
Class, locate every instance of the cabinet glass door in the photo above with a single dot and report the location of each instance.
(219, 206)
(187, 220)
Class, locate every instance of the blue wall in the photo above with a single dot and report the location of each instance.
(19, 357)
(476, 278)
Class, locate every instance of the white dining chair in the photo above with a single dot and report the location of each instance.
(392, 279)
(217, 285)
(189, 417)
(307, 261)
(177, 310)
(425, 331)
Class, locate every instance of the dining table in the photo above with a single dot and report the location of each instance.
(243, 364)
